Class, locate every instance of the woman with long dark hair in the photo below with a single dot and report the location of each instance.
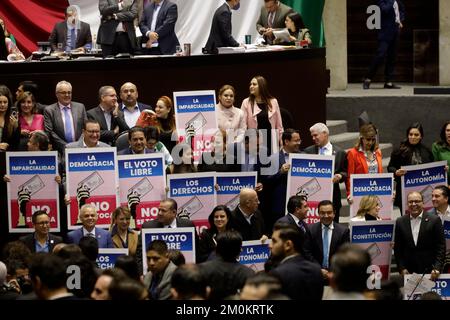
(219, 221)
(9, 125)
(410, 152)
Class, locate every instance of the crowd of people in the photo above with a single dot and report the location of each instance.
(257, 129)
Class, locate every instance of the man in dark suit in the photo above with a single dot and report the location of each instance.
(167, 218)
(137, 141)
(89, 217)
(419, 244)
(246, 218)
(41, 240)
(107, 115)
(220, 34)
(392, 17)
(322, 145)
(273, 14)
(64, 120)
(301, 279)
(130, 109)
(275, 185)
(326, 236)
(159, 35)
(116, 32)
(71, 33)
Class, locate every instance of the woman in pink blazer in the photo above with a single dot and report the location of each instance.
(261, 111)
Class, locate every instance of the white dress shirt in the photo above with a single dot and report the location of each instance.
(415, 226)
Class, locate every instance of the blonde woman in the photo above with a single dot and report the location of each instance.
(369, 209)
(121, 233)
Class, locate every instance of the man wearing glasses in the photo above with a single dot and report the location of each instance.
(41, 240)
(64, 119)
(419, 240)
(90, 137)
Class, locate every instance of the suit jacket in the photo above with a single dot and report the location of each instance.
(389, 28)
(121, 115)
(30, 241)
(306, 251)
(340, 235)
(340, 167)
(107, 136)
(103, 237)
(107, 29)
(357, 164)
(251, 112)
(278, 22)
(54, 124)
(220, 34)
(165, 25)
(59, 35)
(301, 279)
(131, 242)
(163, 288)
(248, 232)
(429, 253)
(152, 224)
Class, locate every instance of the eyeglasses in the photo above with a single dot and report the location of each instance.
(65, 93)
(93, 131)
(43, 223)
(414, 201)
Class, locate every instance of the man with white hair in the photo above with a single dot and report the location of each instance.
(7, 291)
(71, 34)
(323, 146)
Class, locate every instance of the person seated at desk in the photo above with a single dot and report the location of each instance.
(8, 49)
(296, 28)
(71, 34)
(7, 33)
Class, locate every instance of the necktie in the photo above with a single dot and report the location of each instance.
(322, 151)
(68, 125)
(73, 39)
(154, 287)
(302, 226)
(270, 19)
(325, 247)
(90, 234)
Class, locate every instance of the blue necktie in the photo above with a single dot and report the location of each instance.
(302, 226)
(68, 125)
(322, 151)
(73, 39)
(325, 247)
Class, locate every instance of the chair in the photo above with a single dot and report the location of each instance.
(122, 141)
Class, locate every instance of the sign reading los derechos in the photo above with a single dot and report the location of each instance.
(107, 257)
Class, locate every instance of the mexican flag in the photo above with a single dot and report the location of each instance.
(311, 12)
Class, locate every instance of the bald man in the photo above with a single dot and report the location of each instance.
(130, 109)
(246, 218)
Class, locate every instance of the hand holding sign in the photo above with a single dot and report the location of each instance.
(83, 194)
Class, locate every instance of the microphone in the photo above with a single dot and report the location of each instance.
(420, 280)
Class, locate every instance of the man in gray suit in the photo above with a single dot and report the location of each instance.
(64, 119)
(322, 145)
(273, 14)
(116, 32)
(71, 33)
(160, 270)
(90, 137)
